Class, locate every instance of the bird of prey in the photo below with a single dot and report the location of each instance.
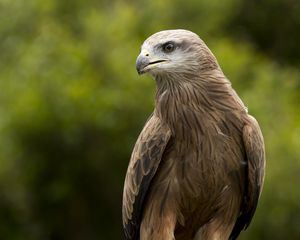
(197, 168)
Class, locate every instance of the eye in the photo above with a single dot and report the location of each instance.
(168, 47)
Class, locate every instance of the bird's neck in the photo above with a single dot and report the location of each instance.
(211, 91)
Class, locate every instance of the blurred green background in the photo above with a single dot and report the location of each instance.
(72, 105)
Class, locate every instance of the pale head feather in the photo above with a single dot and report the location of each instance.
(191, 55)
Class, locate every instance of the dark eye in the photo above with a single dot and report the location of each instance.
(168, 47)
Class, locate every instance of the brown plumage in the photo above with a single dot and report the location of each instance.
(197, 169)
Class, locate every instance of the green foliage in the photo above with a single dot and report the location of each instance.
(272, 25)
(72, 105)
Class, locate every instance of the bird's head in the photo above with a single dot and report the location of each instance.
(175, 52)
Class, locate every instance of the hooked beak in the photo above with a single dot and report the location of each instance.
(144, 62)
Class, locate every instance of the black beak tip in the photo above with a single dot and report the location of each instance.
(139, 71)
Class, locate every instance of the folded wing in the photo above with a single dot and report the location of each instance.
(255, 154)
(144, 162)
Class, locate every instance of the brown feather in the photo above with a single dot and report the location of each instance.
(197, 169)
(143, 165)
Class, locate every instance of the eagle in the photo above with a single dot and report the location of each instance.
(197, 168)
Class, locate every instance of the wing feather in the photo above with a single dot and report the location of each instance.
(144, 162)
(255, 153)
